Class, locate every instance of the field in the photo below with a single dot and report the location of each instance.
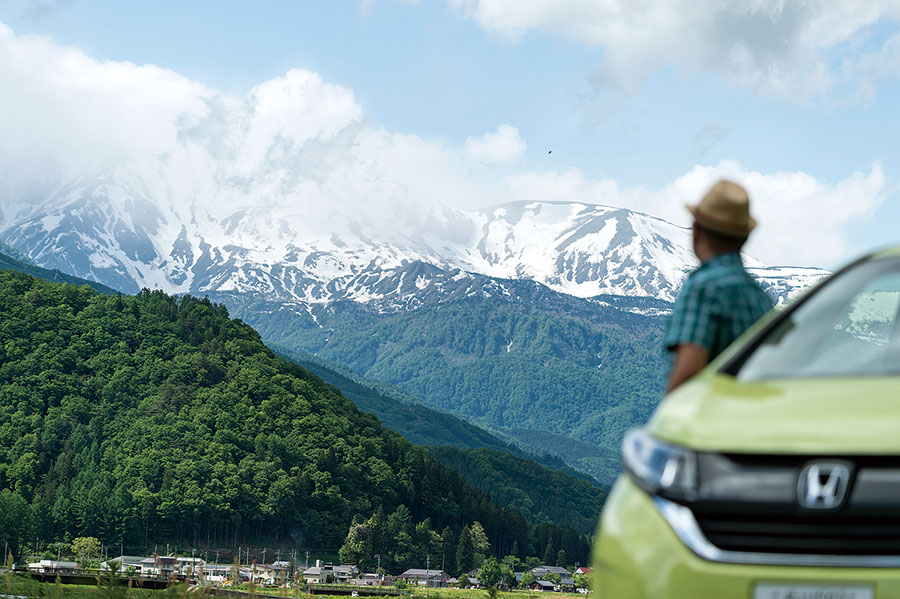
(15, 587)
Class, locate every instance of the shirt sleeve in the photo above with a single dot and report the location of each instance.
(692, 320)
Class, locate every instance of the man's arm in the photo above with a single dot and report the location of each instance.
(690, 359)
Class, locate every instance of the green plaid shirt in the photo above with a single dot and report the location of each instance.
(717, 303)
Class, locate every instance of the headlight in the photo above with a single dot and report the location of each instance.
(658, 467)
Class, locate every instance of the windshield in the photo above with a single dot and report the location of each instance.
(848, 327)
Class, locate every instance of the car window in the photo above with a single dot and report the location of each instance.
(849, 326)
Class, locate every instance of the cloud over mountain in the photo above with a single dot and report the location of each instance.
(299, 145)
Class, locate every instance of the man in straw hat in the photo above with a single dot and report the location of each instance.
(719, 300)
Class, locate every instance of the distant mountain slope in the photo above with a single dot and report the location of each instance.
(123, 417)
(420, 424)
(541, 494)
(8, 262)
(543, 489)
(508, 354)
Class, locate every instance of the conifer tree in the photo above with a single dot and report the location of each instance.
(550, 552)
(464, 551)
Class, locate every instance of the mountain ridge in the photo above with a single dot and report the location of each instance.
(153, 226)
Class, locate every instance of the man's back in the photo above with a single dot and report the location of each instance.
(717, 303)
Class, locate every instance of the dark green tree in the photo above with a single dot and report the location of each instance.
(561, 558)
(464, 551)
(550, 553)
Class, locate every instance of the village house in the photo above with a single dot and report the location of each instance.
(542, 585)
(566, 584)
(368, 579)
(317, 575)
(426, 578)
(327, 573)
(542, 571)
(48, 566)
(160, 565)
(269, 574)
(343, 574)
(123, 564)
(216, 573)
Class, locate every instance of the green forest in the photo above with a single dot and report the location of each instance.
(148, 418)
(585, 371)
(541, 494)
(419, 424)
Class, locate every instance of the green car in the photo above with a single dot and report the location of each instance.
(775, 473)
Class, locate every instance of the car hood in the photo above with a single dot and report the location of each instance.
(800, 416)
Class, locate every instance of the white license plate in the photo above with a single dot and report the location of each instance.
(811, 591)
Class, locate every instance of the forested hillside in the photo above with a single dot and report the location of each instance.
(526, 364)
(151, 417)
(541, 494)
(421, 425)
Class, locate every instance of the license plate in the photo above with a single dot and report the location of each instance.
(811, 591)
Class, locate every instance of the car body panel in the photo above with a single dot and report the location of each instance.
(819, 416)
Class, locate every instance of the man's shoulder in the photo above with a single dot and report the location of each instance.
(721, 280)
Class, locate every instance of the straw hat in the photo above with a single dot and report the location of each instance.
(725, 209)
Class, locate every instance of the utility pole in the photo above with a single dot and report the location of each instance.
(307, 560)
(264, 555)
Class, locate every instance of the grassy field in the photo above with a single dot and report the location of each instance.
(13, 587)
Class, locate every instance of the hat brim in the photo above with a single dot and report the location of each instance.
(719, 226)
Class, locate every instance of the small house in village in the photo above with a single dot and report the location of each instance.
(327, 573)
(160, 565)
(123, 564)
(426, 578)
(216, 573)
(52, 566)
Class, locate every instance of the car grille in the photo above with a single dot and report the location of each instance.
(749, 504)
(836, 536)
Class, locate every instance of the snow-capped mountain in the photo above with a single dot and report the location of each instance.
(158, 227)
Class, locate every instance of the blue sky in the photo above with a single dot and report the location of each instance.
(765, 92)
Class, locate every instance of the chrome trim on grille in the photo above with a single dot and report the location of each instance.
(682, 521)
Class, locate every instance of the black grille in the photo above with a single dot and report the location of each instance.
(802, 535)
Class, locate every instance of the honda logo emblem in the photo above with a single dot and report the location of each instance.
(823, 486)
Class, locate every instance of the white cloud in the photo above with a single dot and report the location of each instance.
(297, 143)
(296, 109)
(499, 146)
(779, 47)
(57, 100)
